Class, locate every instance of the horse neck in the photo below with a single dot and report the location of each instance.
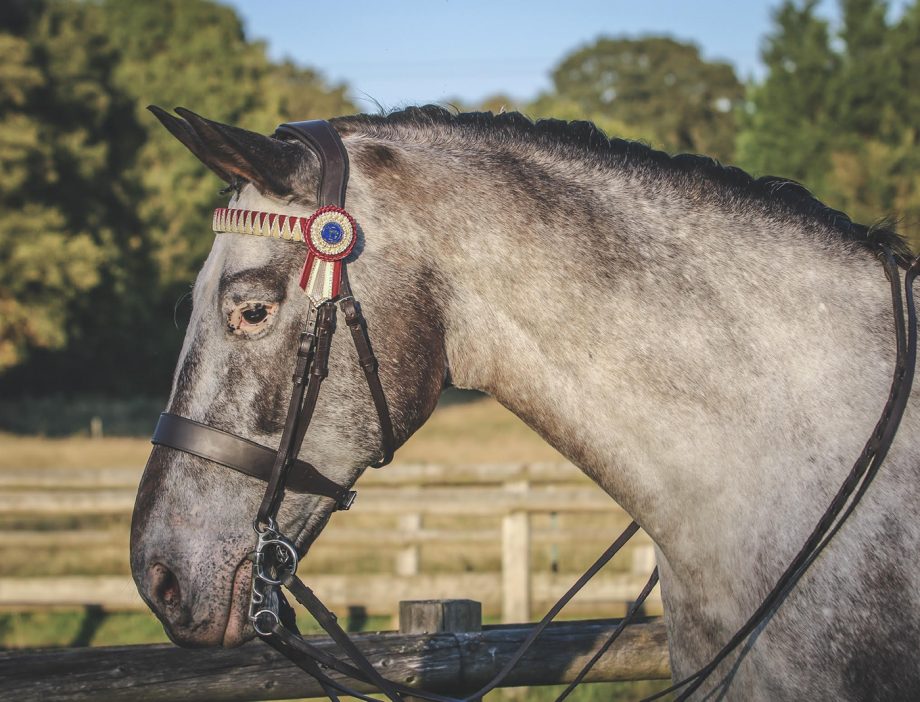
(709, 368)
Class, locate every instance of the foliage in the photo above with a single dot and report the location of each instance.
(837, 111)
(659, 86)
(67, 230)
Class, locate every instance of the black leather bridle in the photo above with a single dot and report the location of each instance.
(275, 557)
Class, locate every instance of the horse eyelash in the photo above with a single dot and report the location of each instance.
(234, 187)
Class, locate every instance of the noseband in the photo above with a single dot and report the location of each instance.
(330, 234)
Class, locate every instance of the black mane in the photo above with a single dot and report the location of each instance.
(584, 139)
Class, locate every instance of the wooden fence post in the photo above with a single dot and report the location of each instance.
(643, 559)
(516, 561)
(408, 558)
(439, 616)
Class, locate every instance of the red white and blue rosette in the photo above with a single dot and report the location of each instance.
(330, 234)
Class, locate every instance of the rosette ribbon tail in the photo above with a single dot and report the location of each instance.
(321, 279)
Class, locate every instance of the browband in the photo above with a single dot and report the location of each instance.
(244, 456)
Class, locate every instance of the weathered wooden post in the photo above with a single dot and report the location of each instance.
(643, 559)
(408, 558)
(516, 561)
(437, 617)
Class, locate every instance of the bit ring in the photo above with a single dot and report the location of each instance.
(255, 621)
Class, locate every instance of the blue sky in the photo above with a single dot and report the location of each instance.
(404, 52)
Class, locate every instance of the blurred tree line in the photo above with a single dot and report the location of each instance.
(104, 215)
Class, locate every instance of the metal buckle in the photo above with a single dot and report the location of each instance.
(347, 500)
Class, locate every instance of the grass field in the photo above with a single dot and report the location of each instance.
(464, 429)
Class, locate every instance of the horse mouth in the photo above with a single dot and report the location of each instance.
(237, 630)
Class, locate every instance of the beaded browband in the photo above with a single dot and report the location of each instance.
(330, 234)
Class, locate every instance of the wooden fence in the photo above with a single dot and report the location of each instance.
(433, 650)
(410, 494)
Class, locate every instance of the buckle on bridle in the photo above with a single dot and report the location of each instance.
(346, 501)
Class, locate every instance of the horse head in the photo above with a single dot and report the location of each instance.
(192, 527)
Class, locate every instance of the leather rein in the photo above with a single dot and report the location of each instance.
(275, 557)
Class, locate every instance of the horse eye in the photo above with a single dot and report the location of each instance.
(256, 314)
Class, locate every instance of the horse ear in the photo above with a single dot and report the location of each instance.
(236, 154)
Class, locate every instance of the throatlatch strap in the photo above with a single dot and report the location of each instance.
(358, 327)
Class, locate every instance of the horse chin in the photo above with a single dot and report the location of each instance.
(238, 629)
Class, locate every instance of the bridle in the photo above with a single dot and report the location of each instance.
(275, 558)
(280, 468)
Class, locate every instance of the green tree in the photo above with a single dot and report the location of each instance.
(841, 116)
(657, 84)
(787, 126)
(67, 237)
(863, 93)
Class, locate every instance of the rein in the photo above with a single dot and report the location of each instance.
(330, 234)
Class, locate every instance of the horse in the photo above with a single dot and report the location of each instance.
(711, 349)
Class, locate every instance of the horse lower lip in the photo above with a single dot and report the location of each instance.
(235, 629)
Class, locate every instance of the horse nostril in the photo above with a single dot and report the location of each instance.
(164, 587)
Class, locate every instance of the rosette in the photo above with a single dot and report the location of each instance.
(330, 233)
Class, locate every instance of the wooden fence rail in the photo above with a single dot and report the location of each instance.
(454, 662)
(411, 494)
(396, 475)
(415, 534)
(457, 501)
(511, 493)
(377, 593)
(503, 497)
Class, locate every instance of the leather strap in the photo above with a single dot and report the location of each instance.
(357, 325)
(329, 622)
(309, 372)
(241, 455)
(320, 137)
